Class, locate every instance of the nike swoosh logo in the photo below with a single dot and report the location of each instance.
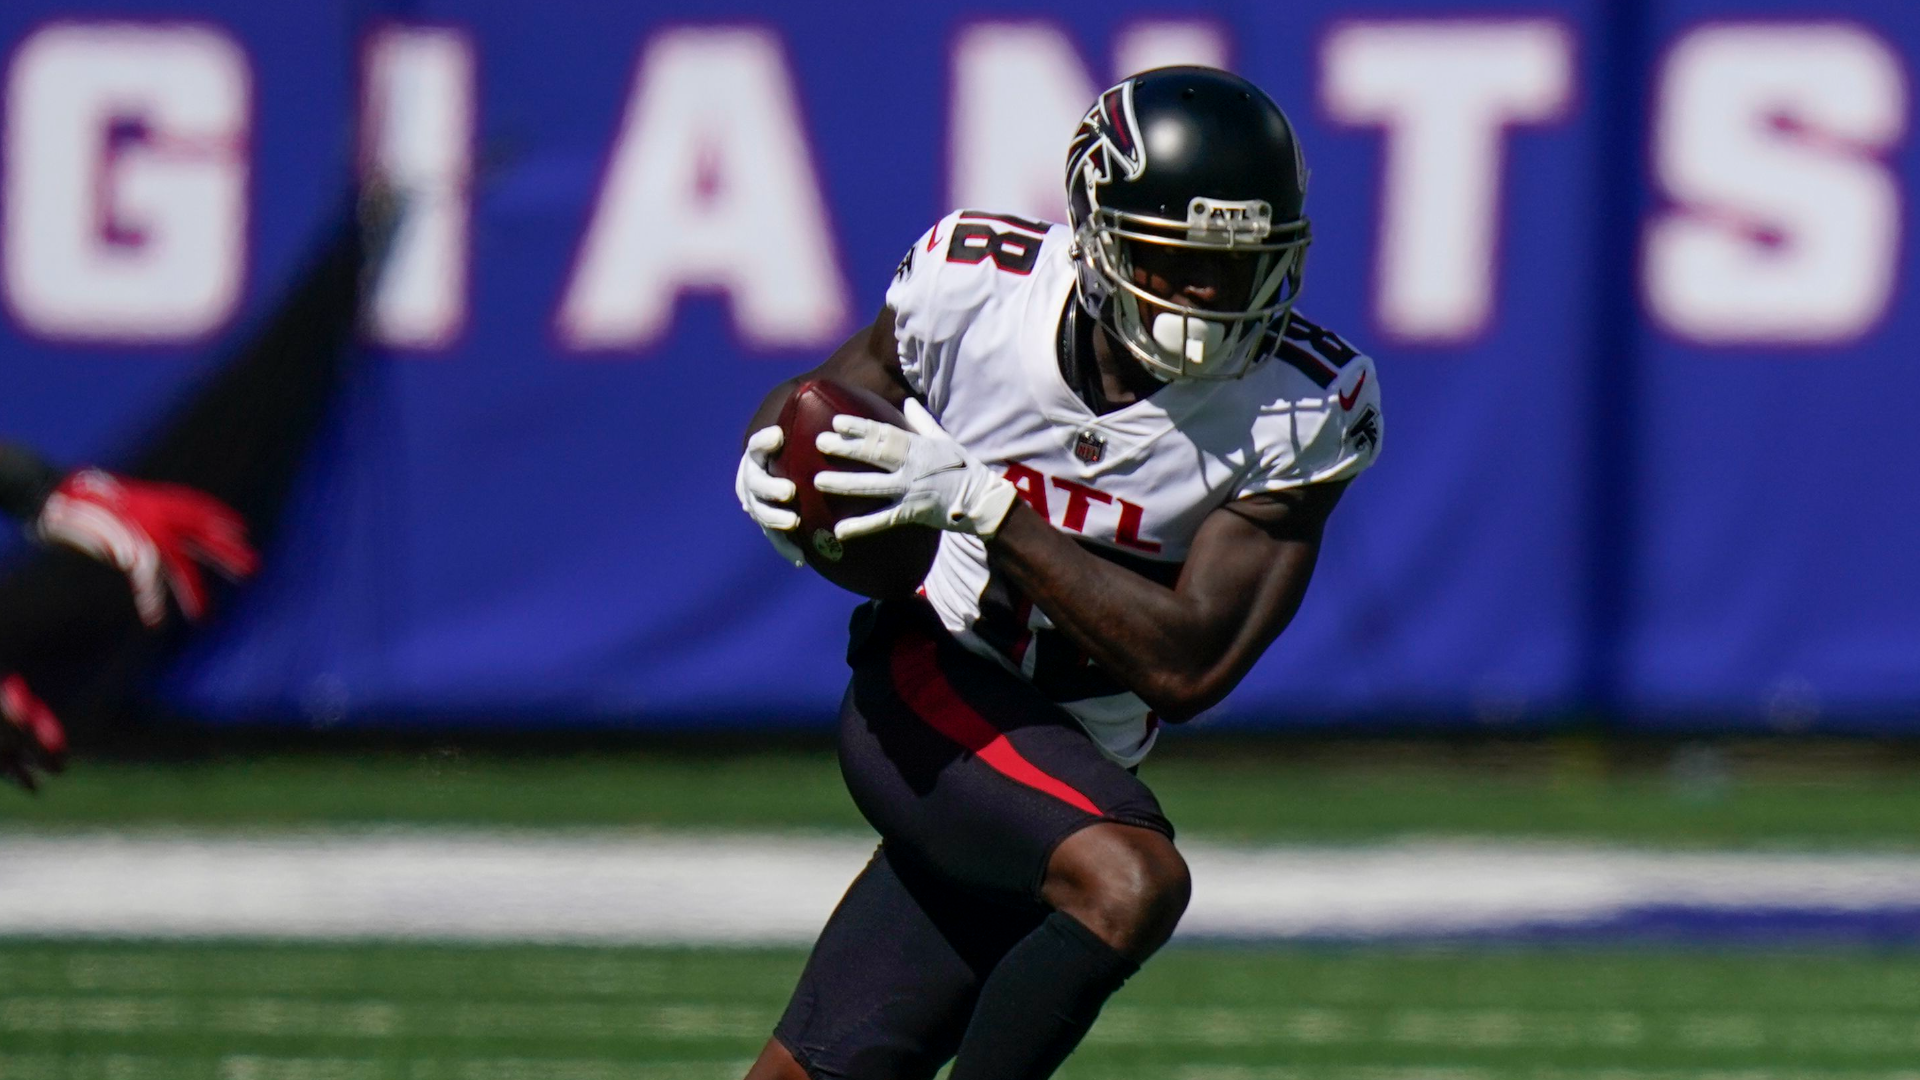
(1347, 400)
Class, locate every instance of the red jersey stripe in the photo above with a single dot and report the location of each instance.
(918, 680)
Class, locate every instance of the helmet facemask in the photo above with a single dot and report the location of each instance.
(1230, 248)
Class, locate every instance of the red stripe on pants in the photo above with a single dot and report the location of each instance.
(918, 680)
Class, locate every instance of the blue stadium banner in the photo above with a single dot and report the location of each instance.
(1771, 485)
(1637, 278)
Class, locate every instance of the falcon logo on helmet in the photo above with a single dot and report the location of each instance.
(1186, 190)
(1108, 137)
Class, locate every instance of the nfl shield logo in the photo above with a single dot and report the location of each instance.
(1089, 447)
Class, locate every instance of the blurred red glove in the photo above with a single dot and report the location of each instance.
(30, 736)
(153, 533)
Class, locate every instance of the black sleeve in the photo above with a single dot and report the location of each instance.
(26, 479)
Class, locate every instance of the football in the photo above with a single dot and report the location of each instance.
(886, 564)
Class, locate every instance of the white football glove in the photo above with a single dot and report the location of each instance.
(936, 482)
(759, 490)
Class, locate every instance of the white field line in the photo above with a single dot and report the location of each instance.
(736, 889)
(1282, 1030)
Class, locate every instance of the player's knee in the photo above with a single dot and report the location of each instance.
(776, 1063)
(1128, 885)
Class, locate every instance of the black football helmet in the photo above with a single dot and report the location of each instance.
(1190, 174)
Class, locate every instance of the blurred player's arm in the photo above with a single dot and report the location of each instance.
(31, 739)
(32, 742)
(26, 480)
(158, 535)
(1182, 649)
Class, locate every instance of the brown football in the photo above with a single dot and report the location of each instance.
(885, 564)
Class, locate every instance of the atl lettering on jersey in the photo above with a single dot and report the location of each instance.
(977, 316)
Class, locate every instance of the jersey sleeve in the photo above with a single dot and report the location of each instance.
(934, 298)
(1317, 441)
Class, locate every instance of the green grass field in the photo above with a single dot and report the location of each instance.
(1570, 789)
(234, 1011)
(266, 1012)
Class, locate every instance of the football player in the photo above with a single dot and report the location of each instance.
(1132, 443)
(231, 450)
(157, 534)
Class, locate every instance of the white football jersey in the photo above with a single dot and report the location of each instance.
(978, 306)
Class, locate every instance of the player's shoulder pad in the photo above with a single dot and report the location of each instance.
(959, 265)
(1326, 405)
(1316, 354)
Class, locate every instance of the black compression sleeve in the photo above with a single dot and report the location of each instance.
(1039, 1002)
(26, 479)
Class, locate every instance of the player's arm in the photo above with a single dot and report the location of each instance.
(158, 535)
(26, 479)
(869, 359)
(1182, 649)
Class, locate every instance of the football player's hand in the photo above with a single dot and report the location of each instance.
(30, 737)
(760, 491)
(157, 534)
(931, 476)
